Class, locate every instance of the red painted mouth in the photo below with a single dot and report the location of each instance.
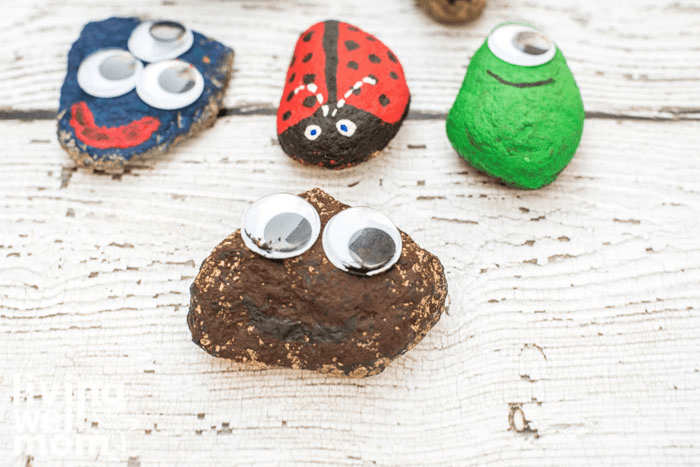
(120, 137)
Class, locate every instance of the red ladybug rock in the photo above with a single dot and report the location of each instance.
(344, 99)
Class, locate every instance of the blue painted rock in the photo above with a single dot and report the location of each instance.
(134, 88)
(344, 99)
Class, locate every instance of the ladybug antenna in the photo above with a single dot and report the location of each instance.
(371, 80)
(311, 88)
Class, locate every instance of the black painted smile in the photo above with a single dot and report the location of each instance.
(533, 84)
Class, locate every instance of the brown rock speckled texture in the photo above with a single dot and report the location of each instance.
(304, 313)
(453, 11)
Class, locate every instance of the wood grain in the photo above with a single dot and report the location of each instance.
(572, 334)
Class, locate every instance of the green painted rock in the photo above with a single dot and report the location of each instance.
(519, 115)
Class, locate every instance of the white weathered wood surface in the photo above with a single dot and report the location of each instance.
(573, 335)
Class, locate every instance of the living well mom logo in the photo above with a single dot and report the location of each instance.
(58, 417)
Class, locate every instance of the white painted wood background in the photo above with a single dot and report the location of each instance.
(573, 335)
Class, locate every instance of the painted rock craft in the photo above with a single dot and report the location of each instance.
(134, 88)
(344, 99)
(519, 115)
(453, 11)
(274, 294)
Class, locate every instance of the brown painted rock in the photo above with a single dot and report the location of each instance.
(344, 99)
(304, 313)
(453, 11)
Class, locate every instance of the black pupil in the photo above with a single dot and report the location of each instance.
(288, 231)
(371, 247)
(532, 43)
(117, 67)
(167, 31)
(176, 79)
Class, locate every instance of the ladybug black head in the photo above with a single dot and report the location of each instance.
(337, 138)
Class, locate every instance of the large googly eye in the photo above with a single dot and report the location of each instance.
(109, 73)
(346, 127)
(170, 85)
(521, 45)
(362, 241)
(280, 226)
(153, 41)
(312, 132)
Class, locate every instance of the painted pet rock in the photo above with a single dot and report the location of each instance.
(453, 11)
(133, 89)
(344, 99)
(519, 115)
(275, 295)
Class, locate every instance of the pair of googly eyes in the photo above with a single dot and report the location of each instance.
(521, 45)
(345, 127)
(357, 240)
(168, 84)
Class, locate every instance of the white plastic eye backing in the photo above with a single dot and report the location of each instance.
(362, 241)
(521, 45)
(109, 73)
(170, 85)
(312, 132)
(346, 127)
(153, 41)
(280, 226)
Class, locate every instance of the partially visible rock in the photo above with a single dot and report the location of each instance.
(304, 313)
(453, 11)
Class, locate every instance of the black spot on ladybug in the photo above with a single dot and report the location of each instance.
(352, 28)
(286, 115)
(308, 36)
(294, 59)
(374, 59)
(394, 75)
(351, 45)
(392, 57)
(307, 57)
(371, 38)
(357, 91)
(290, 96)
(384, 100)
(310, 101)
(353, 65)
(293, 77)
(309, 78)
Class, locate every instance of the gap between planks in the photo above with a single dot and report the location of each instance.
(675, 116)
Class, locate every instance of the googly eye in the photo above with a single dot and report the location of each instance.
(153, 41)
(312, 132)
(109, 73)
(521, 45)
(170, 85)
(362, 241)
(346, 127)
(280, 226)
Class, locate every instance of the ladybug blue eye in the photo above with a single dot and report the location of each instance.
(346, 127)
(312, 132)
(362, 241)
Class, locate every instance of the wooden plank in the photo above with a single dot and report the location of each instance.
(635, 59)
(571, 337)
